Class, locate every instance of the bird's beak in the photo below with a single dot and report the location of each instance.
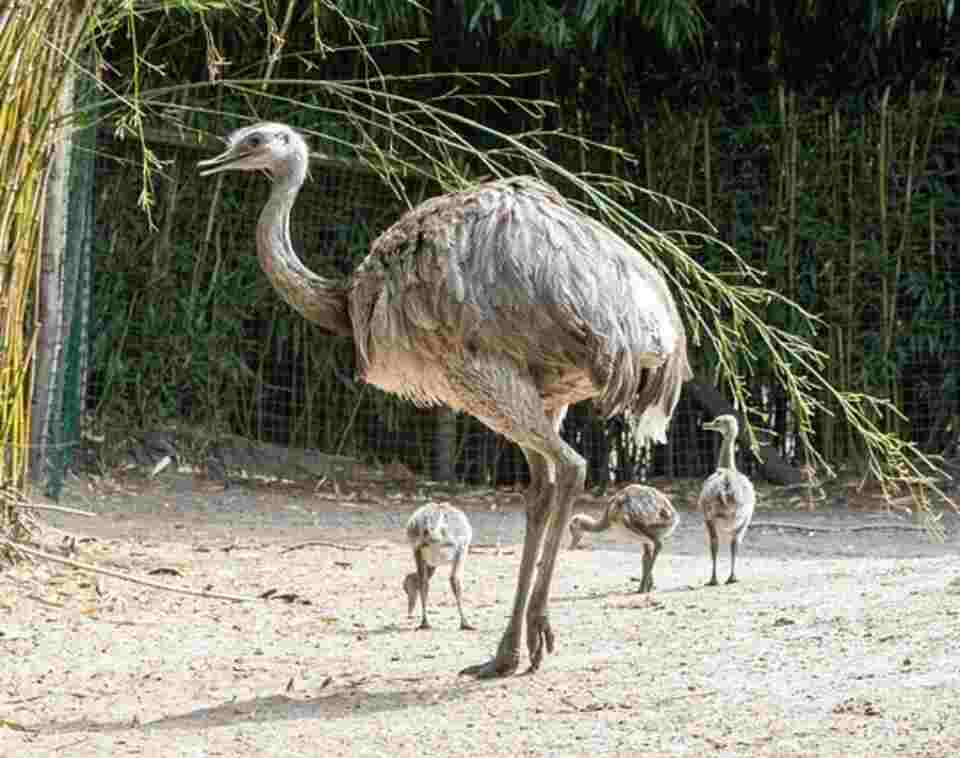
(218, 163)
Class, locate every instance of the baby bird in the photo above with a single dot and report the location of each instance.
(727, 498)
(438, 534)
(639, 511)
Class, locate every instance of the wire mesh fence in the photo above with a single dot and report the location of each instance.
(187, 331)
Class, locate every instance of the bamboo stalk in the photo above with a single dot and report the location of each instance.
(707, 167)
(889, 293)
(38, 41)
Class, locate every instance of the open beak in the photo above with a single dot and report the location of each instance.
(218, 163)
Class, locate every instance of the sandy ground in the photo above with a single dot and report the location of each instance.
(840, 640)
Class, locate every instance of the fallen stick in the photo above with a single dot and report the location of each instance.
(322, 543)
(125, 577)
(832, 529)
(58, 508)
(500, 549)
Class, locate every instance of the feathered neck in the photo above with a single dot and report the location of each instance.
(727, 458)
(317, 299)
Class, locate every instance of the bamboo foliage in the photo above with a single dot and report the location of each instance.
(37, 41)
(848, 210)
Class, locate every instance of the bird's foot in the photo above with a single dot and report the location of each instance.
(424, 625)
(732, 579)
(495, 667)
(713, 582)
(467, 626)
(539, 636)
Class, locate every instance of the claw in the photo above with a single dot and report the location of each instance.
(539, 635)
(468, 627)
(491, 669)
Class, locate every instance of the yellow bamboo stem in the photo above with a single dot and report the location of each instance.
(37, 43)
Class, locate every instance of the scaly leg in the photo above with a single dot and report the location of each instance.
(570, 471)
(507, 658)
(714, 547)
(456, 586)
(733, 559)
(424, 573)
(502, 394)
(649, 559)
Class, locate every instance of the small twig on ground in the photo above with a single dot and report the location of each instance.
(832, 529)
(58, 508)
(125, 577)
(71, 744)
(499, 549)
(322, 543)
(687, 696)
(22, 700)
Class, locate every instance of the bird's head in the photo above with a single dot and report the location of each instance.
(726, 424)
(270, 147)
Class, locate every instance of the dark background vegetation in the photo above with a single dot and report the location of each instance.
(821, 139)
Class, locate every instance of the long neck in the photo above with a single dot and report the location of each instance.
(727, 458)
(588, 524)
(318, 300)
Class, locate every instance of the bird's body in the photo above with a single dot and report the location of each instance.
(425, 294)
(439, 534)
(637, 512)
(727, 498)
(503, 301)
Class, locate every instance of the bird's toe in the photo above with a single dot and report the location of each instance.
(492, 669)
(540, 637)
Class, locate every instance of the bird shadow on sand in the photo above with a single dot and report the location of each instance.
(343, 701)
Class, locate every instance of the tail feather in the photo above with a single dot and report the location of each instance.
(660, 393)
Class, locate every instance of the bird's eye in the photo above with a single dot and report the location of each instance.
(254, 140)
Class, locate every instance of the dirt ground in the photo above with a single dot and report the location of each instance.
(842, 638)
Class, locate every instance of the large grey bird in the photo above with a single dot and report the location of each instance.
(505, 302)
(439, 534)
(727, 498)
(640, 512)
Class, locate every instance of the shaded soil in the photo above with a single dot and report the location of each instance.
(839, 640)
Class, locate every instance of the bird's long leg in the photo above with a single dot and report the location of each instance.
(507, 659)
(714, 546)
(424, 573)
(733, 558)
(649, 560)
(569, 474)
(645, 577)
(504, 397)
(457, 586)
